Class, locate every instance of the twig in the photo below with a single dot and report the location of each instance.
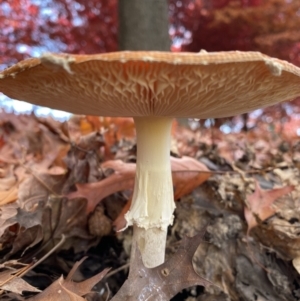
(18, 273)
(228, 171)
(62, 240)
(108, 291)
(121, 268)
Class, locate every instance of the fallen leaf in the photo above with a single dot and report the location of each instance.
(60, 129)
(45, 221)
(62, 216)
(12, 283)
(16, 285)
(7, 183)
(6, 213)
(82, 159)
(8, 190)
(187, 174)
(57, 292)
(121, 179)
(28, 229)
(9, 196)
(260, 204)
(117, 128)
(165, 281)
(296, 264)
(67, 290)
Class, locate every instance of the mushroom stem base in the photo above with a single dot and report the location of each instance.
(151, 243)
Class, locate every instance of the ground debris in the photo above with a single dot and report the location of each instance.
(72, 180)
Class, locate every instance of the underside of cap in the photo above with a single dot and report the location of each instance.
(198, 85)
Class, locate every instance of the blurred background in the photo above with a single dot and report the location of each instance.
(32, 27)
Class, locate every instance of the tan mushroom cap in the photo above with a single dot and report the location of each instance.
(199, 85)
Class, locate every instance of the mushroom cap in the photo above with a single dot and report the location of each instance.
(198, 85)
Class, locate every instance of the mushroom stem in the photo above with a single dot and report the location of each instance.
(152, 207)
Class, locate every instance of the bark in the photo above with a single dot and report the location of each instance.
(143, 25)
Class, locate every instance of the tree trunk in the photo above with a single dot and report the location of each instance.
(143, 25)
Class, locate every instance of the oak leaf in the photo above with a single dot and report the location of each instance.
(187, 174)
(67, 290)
(45, 223)
(28, 229)
(260, 204)
(121, 179)
(166, 280)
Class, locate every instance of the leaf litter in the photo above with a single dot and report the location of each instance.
(74, 180)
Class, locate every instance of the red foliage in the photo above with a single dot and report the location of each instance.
(269, 26)
(30, 27)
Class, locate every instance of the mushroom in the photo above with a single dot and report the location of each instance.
(153, 88)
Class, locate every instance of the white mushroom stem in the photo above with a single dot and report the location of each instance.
(152, 207)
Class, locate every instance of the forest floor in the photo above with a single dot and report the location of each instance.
(64, 188)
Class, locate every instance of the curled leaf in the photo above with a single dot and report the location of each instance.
(260, 204)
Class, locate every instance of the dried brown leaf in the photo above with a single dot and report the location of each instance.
(165, 281)
(188, 173)
(9, 196)
(260, 204)
(57, 292)
(121, 179)
(64, 217)
(15, 284)
(58, 128)
(84, 287)
(67, 290)
(46, 222)
(6, 213)
(82, 160)
(7, 183)
(29, 230)
(8, 190)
